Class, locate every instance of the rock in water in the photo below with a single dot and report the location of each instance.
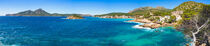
(74, 17)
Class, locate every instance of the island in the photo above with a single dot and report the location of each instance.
(74, 17)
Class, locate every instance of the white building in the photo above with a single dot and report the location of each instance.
(163, 19)
(177, 14)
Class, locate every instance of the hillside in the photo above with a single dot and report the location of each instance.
(190, 9)
(190, 5)
(195, 16)
(146, 12)
(149, 11)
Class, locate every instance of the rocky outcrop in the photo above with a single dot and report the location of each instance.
(151, 25)
(142, 20)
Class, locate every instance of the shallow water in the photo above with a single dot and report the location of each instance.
(55, 31)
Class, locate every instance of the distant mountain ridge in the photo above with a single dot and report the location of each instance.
(41, 12)
(38, 12)
(148, 10)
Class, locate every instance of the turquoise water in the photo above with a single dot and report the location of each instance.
(91, 31)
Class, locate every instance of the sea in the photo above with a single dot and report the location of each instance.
(91, 31)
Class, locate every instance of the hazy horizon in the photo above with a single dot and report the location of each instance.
(92, 7)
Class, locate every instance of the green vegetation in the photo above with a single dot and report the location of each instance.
(194, 17)
(75, 15)
(162, 13)
(172, 19)
(190, 9)
(146, 15)
(154, 19)
(190, 5)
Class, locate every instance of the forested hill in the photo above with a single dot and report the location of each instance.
(190, 9)
(190, 5)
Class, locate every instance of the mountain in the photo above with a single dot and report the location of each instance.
(41, 12)
(38, 12)
(148, 10)
(28, 12)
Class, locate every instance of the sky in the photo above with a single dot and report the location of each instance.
(92, 7)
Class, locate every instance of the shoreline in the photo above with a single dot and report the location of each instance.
(149, 24)
(138, 25)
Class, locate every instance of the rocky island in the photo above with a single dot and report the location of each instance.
(74, 17)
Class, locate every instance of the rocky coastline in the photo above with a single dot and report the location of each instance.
(150, 24)
(146, 22)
